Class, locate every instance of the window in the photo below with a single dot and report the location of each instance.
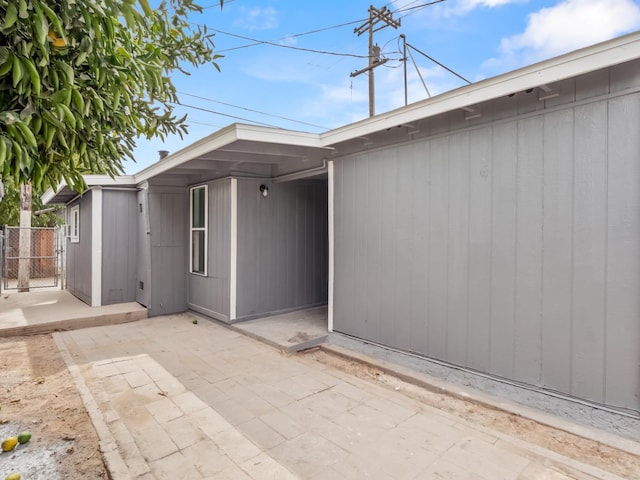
(74, 224)
(199, 230)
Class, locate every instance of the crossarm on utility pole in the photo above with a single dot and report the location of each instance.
(375, 17)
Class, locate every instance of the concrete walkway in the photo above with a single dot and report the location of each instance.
(173, 399)
(51, 309)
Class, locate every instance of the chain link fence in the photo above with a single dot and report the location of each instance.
(30, 258)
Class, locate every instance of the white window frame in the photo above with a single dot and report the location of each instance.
(74, 224)
(193, 229)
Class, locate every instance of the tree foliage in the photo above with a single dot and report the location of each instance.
(81, 80)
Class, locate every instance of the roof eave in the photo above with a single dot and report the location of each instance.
(56, 196)
(595, 57)
(224, 137)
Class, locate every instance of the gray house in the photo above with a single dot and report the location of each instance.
(494, 227)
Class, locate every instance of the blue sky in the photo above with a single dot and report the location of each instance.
(313, 91)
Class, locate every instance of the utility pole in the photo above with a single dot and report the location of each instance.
(404, 62)
(375, 17)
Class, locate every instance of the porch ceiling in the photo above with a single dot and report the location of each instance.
(249, 158)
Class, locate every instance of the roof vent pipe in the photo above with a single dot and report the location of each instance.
(163, 153)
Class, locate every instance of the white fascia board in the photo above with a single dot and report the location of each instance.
(49, 194)
(212, 142)
(92, 181)
(107, 181)
(279, 135)
(596, 57)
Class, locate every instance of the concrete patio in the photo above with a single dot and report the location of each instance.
(171, 398)
(51, 309)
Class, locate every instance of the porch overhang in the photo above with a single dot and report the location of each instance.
(241, 151)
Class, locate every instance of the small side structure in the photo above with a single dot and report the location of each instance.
(495, 227)
(101, 240)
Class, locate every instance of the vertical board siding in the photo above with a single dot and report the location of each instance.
(458, 251)
(119, 233)
(387, 233)
(168, 207)
(282, 246)
(143, 249)
(345, 244)
(479, 279)
(511, 248)
(622, 328)
(557, 263)
(527, 361)
(403, 251)
(438, 248)
(503, 249)
(78, 276)
(210, 294)
(419, 243)
(589, 250)
(367, 280)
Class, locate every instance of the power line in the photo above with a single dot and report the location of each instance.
(251, 110)
(224, 114)
(265, 42)
(214, 6)
(423, 5)
(318, 30)
(438, 63)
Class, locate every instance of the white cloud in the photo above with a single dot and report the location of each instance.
(257, 19)
(466, 5)
(569, 25)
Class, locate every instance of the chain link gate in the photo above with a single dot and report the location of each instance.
(31, 257)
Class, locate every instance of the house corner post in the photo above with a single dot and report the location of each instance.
(96, 246)
(233, 252)
(330, 216)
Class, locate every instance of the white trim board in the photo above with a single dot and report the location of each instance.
(233, 253)
(331, 230)
(96, 246)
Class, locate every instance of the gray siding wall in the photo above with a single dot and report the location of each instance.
(210, 295)
(511, 247)
(119, 229)
(143, 249)
(79, 254)
(168, 207)
(282, 246)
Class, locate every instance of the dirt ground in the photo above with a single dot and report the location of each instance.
(593, 453)
(38, 394)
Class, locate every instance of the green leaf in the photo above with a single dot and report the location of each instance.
(70, 119)
(23, 12)
(6, 63)
(27, 134)
(34, 76)
(17, 71)
(11, 16)
(54, 19)
(146, 8)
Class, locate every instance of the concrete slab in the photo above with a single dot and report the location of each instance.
(50, 310)
(289, 332)
(265, 415)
